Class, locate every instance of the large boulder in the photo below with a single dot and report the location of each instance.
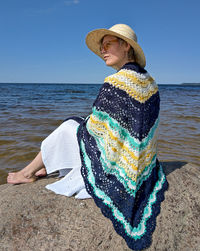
(33, 218)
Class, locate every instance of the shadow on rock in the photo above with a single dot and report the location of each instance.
(171, 166)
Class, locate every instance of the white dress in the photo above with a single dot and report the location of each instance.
(60, 152)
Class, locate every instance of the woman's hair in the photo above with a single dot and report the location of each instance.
(131, 53)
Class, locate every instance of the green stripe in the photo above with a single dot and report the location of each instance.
(123, 177)
(113, 168)
(124, 134)
(133, 232)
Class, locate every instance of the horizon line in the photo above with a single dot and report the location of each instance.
(66, 83)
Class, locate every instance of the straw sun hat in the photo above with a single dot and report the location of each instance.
(122, 31)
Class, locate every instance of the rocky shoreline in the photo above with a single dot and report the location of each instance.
(33, 218)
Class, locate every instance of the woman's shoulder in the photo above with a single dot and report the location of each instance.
(135, 81)
(134, 67)
(131, 73)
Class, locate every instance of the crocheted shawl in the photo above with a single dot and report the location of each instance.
(118, 152)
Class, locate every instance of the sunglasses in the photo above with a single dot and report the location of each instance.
(105, 46)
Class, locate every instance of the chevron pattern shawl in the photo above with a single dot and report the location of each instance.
(118, 144)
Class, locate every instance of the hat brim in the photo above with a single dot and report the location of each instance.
(94, 37)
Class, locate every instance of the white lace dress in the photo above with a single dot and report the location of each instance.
(60, 152)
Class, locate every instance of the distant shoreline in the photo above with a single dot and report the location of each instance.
(191, 84)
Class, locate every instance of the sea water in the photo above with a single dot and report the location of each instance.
(30, 112)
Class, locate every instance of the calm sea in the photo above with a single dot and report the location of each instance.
(29, 112)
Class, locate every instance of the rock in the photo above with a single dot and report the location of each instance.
(33, 218)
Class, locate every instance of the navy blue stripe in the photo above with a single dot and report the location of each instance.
(135, 67)
(131, 208)
(138, 118)
(108, 183)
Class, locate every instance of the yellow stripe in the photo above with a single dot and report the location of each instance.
(144, 153)
(114, 137)
(131, 90)
(142, 159)
(134, 79)
(114, 149)
(132, 165)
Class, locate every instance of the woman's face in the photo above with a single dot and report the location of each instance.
(114, 53)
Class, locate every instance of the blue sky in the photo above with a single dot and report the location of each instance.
(44, 40)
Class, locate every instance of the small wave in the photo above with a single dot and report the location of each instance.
(188, 117)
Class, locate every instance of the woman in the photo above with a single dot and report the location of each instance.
(114, 160)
